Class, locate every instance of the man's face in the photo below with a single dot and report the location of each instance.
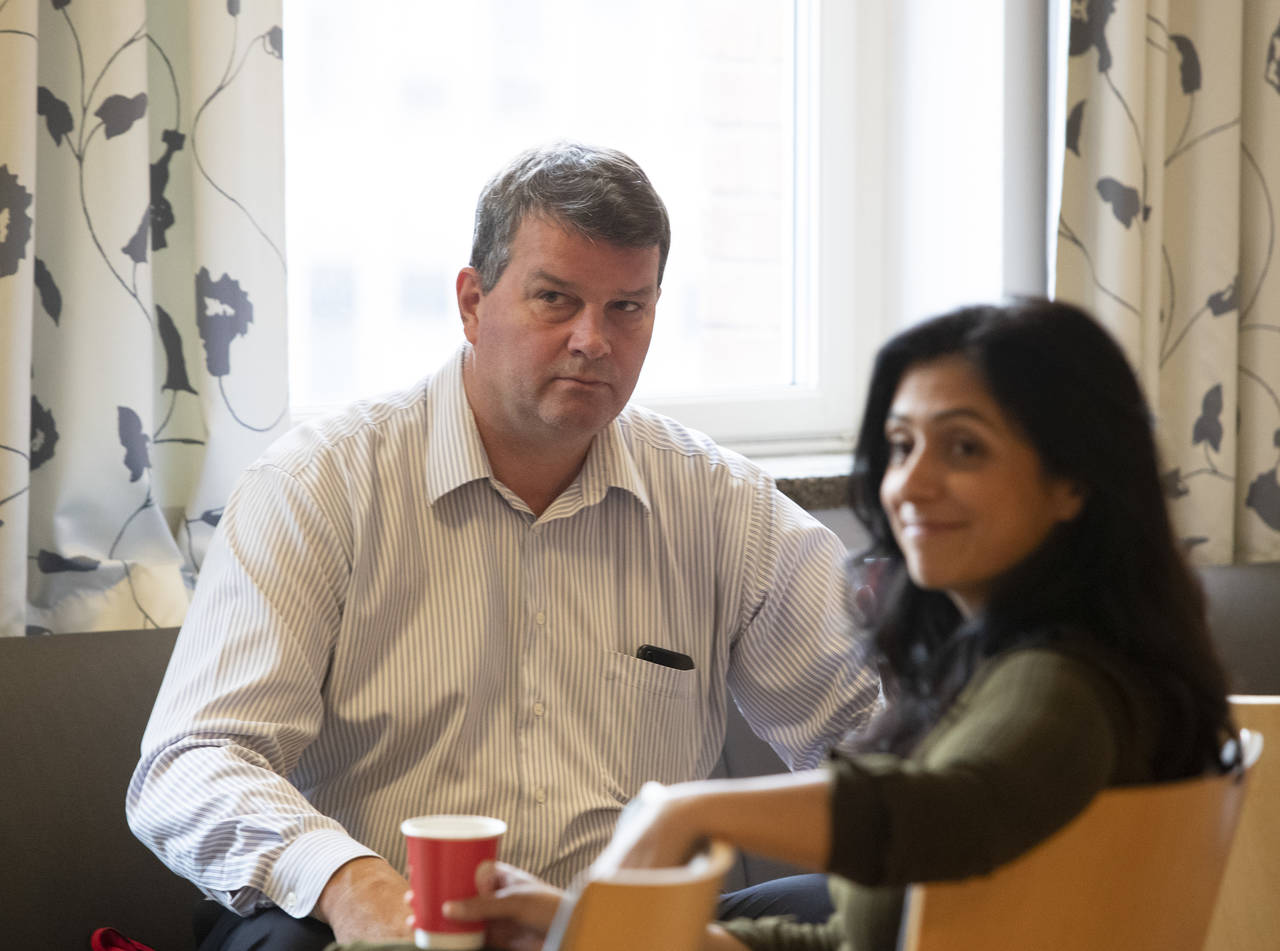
(560, 339)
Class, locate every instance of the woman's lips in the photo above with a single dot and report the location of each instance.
(923, 529)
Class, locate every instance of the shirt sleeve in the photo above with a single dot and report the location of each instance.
(241, 702)
(1017, 756)
(798, 670)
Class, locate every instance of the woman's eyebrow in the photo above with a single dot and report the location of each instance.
(959, 412)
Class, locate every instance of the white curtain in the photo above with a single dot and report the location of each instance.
(1167, 232)
(142, 339)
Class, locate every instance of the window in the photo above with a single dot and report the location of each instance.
(833, 170)
(398, 111)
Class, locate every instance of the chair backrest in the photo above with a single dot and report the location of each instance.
(1247, 917)
(1138, 869)
(642, 909)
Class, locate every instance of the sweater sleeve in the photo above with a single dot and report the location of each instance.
(1017, 756)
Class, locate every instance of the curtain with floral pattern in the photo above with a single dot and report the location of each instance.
(1167, 232)
(142, 283)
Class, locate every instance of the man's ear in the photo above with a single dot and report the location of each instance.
(469, 296)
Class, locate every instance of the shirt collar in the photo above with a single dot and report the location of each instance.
(457, 455)
(609, 464)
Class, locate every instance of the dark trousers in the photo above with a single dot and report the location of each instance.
(271, 929)
(804, 896)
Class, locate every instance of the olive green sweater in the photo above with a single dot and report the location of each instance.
(1023, 749)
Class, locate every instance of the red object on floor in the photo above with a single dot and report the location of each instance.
(108, 939)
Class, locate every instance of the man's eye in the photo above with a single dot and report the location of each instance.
(551, 297)
(627, 306)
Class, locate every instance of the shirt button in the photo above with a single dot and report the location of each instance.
(540, 796)
(290, 901)
(541, 618)
(539, 709)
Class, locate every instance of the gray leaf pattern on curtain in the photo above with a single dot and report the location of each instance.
(149, 154)
(50, 296)
(57, 114)
(1167, 231)
(15, 201)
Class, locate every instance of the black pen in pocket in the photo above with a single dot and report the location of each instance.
(664, 657)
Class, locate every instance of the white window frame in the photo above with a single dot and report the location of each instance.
(838, 211)
(868, 228)
(817, 413)
(857, 232)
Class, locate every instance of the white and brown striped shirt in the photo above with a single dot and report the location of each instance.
(382, 630)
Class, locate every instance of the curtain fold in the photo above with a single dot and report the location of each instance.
(142, 307)
(1167, 232)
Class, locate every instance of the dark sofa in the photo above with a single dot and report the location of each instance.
(73, 708)
(72, 711)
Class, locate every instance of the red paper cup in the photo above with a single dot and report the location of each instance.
(443, 854)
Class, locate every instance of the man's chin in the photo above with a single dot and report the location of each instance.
(586, 420)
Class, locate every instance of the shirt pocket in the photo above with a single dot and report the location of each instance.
(649, 677)
(651, 725)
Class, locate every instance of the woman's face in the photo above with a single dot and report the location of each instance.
(965, 492)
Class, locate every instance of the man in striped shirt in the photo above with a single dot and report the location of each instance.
(505, 591)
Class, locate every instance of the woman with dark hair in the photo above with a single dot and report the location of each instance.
(1039, 635)
(1112, 577)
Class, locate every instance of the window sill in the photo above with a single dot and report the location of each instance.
(814, 482)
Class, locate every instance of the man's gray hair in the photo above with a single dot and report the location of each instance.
(600, 193)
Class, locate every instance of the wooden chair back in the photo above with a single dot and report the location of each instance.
(1247, 917)
(1138, 870)
(642, 909)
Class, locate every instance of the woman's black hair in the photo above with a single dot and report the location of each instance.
(1112, 578)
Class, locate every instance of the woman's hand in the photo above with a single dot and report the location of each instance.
(661, 828)
(665, 826)
(517, 907)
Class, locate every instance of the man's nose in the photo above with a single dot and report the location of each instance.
(588, 335)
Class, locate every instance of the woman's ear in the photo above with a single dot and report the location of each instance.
(1067, 499)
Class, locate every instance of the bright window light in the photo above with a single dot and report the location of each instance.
(397, 114)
